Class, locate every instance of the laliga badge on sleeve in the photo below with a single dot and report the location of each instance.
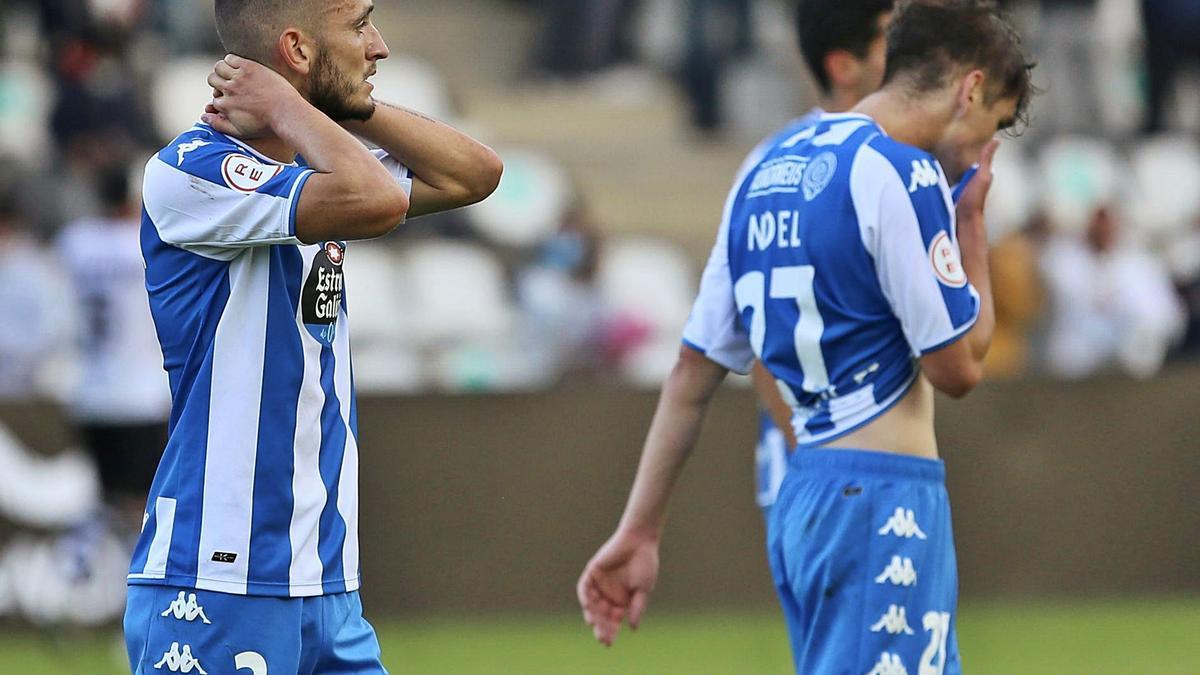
(946, 262)
(245, 174)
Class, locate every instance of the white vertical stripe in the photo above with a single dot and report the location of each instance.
(348, 481)
(235, 397)
(891, 232)
(160, 545)
(308, 491)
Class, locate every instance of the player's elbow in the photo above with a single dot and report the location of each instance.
(480, 181)
(957, 382)
(387, 211)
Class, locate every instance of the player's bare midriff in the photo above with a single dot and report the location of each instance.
(906, 429)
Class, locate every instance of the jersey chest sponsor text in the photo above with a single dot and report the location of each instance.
(321, 295)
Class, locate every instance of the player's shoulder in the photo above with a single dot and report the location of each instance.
(197, 148)
(223, 163)
(914, 167)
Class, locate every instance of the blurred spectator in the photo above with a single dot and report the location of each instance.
(1112, 304)
(717, 31)
(121, 401)
(1172, 45)
(1064, 40)
(583, 36)
(32, 295)
(1019, 300)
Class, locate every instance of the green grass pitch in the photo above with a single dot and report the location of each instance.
(1110, 637)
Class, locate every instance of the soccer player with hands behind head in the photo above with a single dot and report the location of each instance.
(248, 559)
(843, 265)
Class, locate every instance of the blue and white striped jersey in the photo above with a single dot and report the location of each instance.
(257, 492)
(836, 264)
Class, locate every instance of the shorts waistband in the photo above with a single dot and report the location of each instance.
(845, 462)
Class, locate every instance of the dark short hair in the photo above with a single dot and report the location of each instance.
(823, 26)
(249, 28)
(930, 41)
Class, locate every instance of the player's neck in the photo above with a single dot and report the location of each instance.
(839, 101)
(919, 122)
(273, 147)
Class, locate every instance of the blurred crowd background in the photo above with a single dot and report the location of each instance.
(621, 123)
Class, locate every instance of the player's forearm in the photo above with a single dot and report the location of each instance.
(974, 248)
(460, 168)
(673, 434)
(328, 148)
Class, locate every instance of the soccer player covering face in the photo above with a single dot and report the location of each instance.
(248, 559)
(843, 44)
(842, 265)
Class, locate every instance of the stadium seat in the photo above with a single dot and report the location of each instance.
(25, 99)
(457, 292)
(180, 92)
(648, 282)
(1166, 182)
(385, 358)
(1013, 195)
(529, 204)
(1079, 175)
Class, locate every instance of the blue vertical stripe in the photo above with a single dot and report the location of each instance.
(283, 376)
(333, 448)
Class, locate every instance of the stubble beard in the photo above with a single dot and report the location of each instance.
(332, 92)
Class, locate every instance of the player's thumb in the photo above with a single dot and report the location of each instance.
(637, 606)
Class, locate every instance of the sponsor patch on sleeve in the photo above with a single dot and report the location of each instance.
(946, 261)
(246, 174)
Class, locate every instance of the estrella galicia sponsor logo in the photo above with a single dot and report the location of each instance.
(321, 296)
(819, 175)
(779, 175)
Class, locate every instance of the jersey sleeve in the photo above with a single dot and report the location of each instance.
(907, 225)
(211, 197)
(713, 328)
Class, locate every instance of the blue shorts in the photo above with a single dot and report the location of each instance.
(862, 555)
(182, 630)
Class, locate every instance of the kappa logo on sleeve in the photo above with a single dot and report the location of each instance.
(245, 174)
(923, 175)
(946, 261)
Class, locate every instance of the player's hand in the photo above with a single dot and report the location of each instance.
(246, 95)
(616, 584)
(970, 205)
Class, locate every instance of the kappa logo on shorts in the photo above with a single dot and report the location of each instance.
(899, 572)
(894, 622)
(903, 523)
(180, 662)
(245, 174)
(889, 664)
(186, 609)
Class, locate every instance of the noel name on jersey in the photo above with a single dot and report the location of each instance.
(779, 229)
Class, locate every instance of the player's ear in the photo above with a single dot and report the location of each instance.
(843, 68)
(970, 91)
(296, 52)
